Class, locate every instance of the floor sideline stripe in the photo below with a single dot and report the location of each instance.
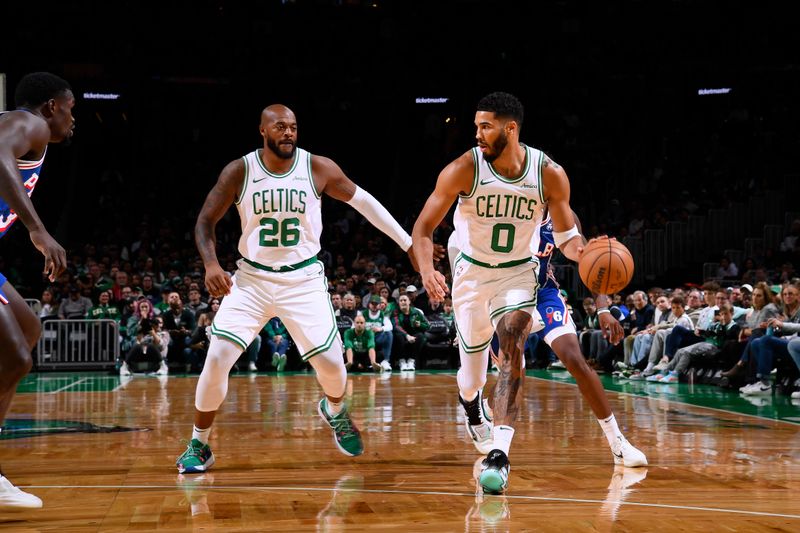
(419, 493)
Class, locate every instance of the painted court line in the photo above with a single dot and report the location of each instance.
(670, 400)
(419, 493)
(70, 385)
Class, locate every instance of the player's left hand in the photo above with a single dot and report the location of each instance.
(439, 252)
(611, 328)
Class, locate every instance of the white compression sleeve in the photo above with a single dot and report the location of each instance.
(212, 387)
(378, 216)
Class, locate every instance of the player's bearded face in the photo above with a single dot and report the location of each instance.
(496, 147)
(283, 147)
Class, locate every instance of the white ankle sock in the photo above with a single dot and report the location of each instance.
(610, 428)
(331, 408)
(201, 434)
(502, 435)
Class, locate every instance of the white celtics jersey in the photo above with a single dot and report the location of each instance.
(281, 214)
(498, 221)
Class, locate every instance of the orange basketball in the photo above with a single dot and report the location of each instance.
(606, 266)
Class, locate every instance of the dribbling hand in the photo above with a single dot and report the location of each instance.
(218, 282)
(611, 328)
(55, 258)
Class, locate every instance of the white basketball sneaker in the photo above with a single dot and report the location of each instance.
(478, 427)
(626, 454)
(13, 499)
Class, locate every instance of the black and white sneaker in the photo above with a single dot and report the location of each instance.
(478, 427)
(494, 473)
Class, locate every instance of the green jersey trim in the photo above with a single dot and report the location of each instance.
(508, 308)
(471, 349)
(229, 336)
(244, 183)
(474, 174)
(311, 178)
(279, 176)
(287, 268)
(541, 189)
(507, 264)
(331, 336)
(524, 171)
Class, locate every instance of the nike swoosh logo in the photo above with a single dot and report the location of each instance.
(486, 182)
(617, 455)
(262, 179)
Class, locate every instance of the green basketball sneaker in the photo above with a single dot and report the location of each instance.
(345, 433)
(197, 458)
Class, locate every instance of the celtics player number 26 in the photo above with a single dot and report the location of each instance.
(276, 232)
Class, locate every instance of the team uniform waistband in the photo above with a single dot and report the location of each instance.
(286, 268)
(507, 264)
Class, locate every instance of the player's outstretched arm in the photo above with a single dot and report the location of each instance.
(222, 196)
(454, 179)
(20, 135)
(556, 190)
(329, 179)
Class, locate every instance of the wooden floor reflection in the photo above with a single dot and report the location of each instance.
(278, 470)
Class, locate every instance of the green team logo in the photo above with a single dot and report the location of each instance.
(22, 428)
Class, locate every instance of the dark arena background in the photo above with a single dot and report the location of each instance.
(676, 122)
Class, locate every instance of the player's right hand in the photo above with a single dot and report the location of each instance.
(435, 285)
(55, 258)
(218, 282)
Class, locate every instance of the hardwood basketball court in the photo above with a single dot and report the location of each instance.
(101, 453)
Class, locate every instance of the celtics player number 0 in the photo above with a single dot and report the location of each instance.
(504, 232)
(279, 233)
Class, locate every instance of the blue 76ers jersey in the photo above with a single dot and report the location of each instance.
(547, 245)
(30, 171)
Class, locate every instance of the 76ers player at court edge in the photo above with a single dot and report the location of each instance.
(502, 187)
(43, 115)
(277, 191)
(558, 331)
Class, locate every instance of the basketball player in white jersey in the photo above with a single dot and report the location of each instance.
(277, 191)
(502, 187)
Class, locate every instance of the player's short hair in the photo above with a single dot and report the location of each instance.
(503, 105)
(38, 87)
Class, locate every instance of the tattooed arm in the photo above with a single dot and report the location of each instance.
(222, 196)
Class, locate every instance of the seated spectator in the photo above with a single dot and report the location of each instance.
(200, 339)
(195, 304)
(151, 346)
(794, 351)
(641, 316)
(719, 332)
(179, 322)
(381, 326)
(277, 342)
(590, 324)
(103, 309)
(773, 346)
(681, 337)
(755, 326)
(76, 306)
(359, 347)
(662, 319)
(409, 326)
(49, 307)
(348, 306)
(141, 309)
(727, 269)
(678, 317)
(791, 243)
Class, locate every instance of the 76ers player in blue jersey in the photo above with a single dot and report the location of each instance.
(558, 332)
(43, 115)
